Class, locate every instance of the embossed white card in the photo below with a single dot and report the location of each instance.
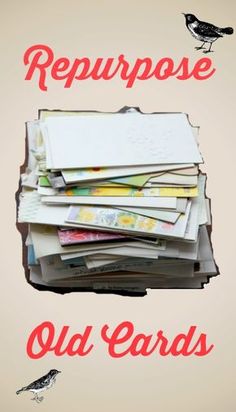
(119, 140)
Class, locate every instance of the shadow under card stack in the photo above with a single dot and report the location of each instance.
(114, 202)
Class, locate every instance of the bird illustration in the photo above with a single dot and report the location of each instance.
(205, 32)
(40, 385)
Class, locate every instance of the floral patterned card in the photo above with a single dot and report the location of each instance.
(120, 220)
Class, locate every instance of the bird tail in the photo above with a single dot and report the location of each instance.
(20, 390)
(227, 30)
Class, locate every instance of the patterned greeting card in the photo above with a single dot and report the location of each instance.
(121, 220)
(131, 192)
(73, 236)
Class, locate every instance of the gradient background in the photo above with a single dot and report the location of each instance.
(98, 383)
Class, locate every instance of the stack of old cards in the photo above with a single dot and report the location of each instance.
(115, 202)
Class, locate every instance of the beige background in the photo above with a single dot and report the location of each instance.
(97, 382)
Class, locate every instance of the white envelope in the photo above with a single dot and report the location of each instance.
(156, 202)
(119, 140)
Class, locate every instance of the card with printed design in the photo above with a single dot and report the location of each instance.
(126, 222)
(74, 236)
(130, 192)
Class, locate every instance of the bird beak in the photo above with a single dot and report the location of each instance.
(58, 371)
(184, 14)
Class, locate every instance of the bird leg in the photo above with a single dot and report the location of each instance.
(37, 398)
(209, 50)
(200, 47)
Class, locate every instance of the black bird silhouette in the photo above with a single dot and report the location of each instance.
(205, 32)
(40, 385)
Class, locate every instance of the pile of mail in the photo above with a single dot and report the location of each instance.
(114, 203)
